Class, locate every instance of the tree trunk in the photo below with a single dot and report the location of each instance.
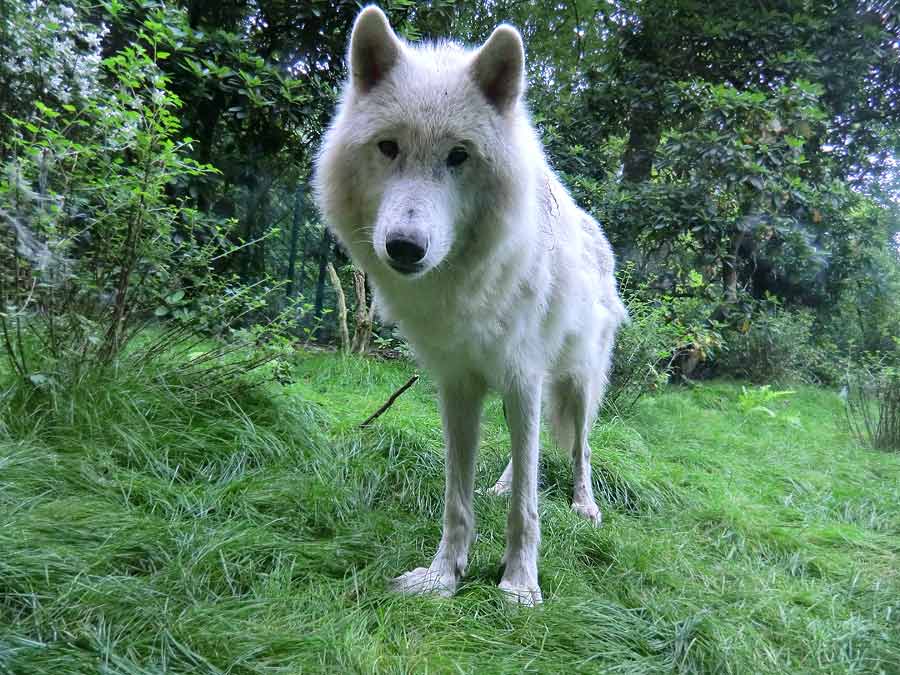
(320, 283)
(643, 138)
(341, 307)
(730, 269)
(365, 316)
(295, 235)
(258, 250)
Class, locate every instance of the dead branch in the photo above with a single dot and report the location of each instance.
(410, 382)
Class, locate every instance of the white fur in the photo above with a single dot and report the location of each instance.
(516, 291)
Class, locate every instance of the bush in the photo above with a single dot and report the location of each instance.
(776, 346)
(101, 249)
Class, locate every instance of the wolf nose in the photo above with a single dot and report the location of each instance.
(405, 253)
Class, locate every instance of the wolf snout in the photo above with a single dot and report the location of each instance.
(406, 252)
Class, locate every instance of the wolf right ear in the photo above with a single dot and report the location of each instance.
(374, 49)
(499, 68)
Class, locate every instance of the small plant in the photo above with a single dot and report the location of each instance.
(760, 399)
(689, 316)
(873, 407)
(309, 324)
(773, 345)
(390, 344)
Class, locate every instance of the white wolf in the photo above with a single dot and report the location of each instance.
(433, 178)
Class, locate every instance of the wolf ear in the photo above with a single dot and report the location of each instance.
(499, 68)
(374, 49)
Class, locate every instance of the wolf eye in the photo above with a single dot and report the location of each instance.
(389, 149)
(456, 157)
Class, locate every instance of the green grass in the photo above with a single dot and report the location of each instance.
(149, 527)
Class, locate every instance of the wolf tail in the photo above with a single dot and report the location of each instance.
(561, 419)
(562, 423)
(560, 408)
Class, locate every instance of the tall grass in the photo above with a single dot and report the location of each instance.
(149, 524)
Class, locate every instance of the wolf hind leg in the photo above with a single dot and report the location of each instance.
(503, 486)
(561, 425)
(572, 410)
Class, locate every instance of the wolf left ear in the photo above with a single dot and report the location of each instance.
(499, 68)
(374, 49)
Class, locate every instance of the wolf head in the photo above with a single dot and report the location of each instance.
(422, 148)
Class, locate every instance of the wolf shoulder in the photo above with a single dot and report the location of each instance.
(584, 258)
(573, 230)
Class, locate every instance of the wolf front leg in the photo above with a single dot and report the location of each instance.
(520, 578)
(461, 403)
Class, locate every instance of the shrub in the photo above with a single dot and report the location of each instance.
(101, 249)
(775, 346)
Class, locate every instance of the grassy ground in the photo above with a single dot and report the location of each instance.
(150, 528)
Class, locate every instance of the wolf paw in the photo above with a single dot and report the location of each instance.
(527, 595)
(500, 489)
(424, 580)
(589, 511)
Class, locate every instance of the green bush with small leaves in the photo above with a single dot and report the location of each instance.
(101, 250)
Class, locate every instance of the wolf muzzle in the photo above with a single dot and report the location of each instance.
(406, 252)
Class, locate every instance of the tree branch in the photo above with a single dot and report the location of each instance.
(410, 382)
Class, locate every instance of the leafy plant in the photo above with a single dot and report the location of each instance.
(775, 345)
(101, 250)
(646, 347)
(760, 399)
(389, 343)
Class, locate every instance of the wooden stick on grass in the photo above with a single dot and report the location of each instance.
(410, 382)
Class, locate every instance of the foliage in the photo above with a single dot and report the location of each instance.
(866, 313)
(391, 344)
(646, 348)
(740, 159)
(776, 345)
(732, 142)
(754, 146)
(100, 249)
(50, 54)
